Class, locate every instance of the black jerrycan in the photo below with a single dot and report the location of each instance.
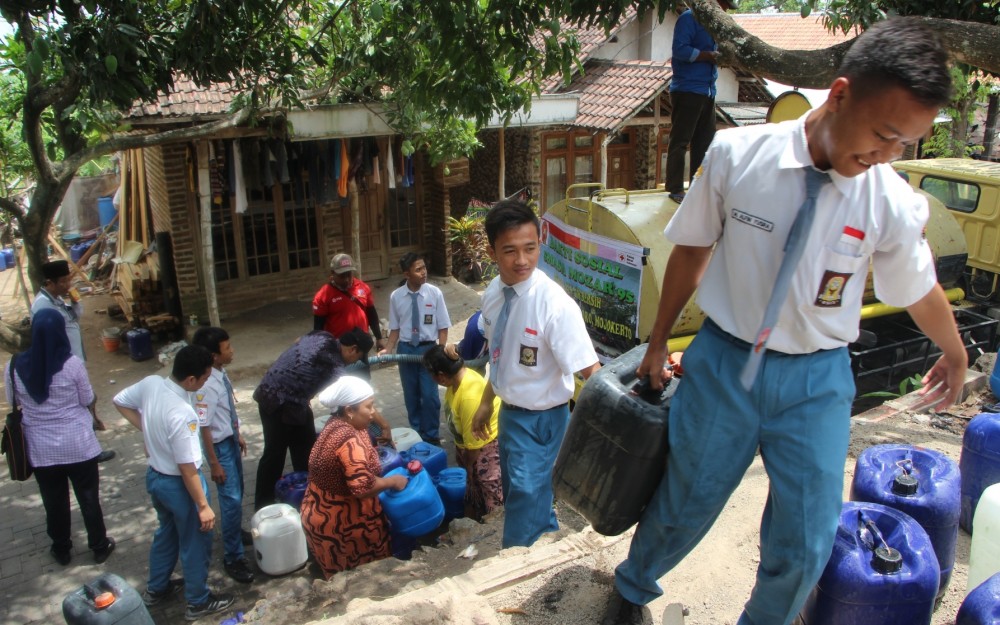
(615, 449)
(107, 600)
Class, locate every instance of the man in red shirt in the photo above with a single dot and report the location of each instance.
(345, 302)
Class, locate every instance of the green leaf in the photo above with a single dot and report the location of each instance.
(376, 12)
(111, 64)
(34, 63)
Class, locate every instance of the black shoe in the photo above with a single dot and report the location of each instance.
(106, 455)
(239, 570)
(621, 611)
(215, 603)
(151, 598)
(62, 557)
(247, 537)
(101, 555)
(677, 197)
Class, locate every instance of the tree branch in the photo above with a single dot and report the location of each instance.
(10, 206)
(131, 142)
(969, 42)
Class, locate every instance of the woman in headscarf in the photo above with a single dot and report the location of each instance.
(341, 513)
(480, 457)
(54, 392)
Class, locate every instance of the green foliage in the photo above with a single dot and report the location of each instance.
(950, 139)
(844, 15)
(908, 385)
(781, 6)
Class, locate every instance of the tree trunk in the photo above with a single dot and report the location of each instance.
(990, 133)
(35, 224)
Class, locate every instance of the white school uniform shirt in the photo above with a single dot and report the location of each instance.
(169, 422)
(545, 342)
(211, 402)
(744, 199)
(433, 312)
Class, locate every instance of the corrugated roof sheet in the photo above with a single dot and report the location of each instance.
(789, 31)
(612, 92)
(743, 114)
(187, 100)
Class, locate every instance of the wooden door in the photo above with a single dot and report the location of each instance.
(621, 168)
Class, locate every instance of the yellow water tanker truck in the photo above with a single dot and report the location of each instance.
(608, 251)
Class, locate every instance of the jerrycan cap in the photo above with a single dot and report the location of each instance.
(905, 485)
(104, 600)
(887, 560)
(414, 466)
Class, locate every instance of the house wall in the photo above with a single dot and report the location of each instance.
(484, 168)
(176, 209)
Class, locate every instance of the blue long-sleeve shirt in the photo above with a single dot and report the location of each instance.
(690, 39)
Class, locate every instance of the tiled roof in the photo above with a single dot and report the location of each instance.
(590, 38)
(743, 113)
(789, 31)
(612, 92)
(185, 100)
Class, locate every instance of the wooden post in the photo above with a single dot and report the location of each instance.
(502, 186)
(207, 255)
(355, 203)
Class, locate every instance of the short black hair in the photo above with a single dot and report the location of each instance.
(900, 52)
(508, 215)
(356, 337)
(191, 360)
(436, 361)
(406, 260)
(210, 338)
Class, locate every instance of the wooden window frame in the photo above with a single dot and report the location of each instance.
(569, 153)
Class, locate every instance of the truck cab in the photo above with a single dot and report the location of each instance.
(970, 189)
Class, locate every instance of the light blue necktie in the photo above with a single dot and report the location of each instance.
(795, 245)
(414, 320)
(508, 296)
(232, 404)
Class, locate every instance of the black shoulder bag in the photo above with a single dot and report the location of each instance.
(13, 445)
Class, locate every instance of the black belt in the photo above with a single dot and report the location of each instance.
(420, 344)
(714, 328)
(507, 406)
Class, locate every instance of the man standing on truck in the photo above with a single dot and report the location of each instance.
(537, 342)
(770, 368)
(692, 99)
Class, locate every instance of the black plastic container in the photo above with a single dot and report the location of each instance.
(107, 600)
(615, 450)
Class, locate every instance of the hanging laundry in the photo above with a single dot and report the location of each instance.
(266, 164)
(238, 183)
(345, 165)
(250, 149)
(390, 170)
(357, 170)
(281, 157)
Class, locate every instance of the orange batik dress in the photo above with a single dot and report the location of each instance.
(343, 530)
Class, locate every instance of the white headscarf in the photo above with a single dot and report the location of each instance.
(346, 391)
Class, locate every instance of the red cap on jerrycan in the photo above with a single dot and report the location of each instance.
(414, 466)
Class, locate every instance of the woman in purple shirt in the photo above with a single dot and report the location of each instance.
(54, 392)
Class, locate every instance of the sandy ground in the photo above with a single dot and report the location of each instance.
(565, 578)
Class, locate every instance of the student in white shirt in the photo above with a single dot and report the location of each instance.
(533, 357)
(161, 408)
(729, 235)
(224, 447)
(418, 320)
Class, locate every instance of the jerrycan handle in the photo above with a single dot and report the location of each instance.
(885, 559)
(643, 388)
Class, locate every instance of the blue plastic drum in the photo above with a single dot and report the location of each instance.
(140, 344)
(982, 605)
(291, 488)
(417, 509)
(882, 571)
(450, 484)
(980, 462)
(924, 484)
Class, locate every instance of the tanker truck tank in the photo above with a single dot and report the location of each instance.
(588, 241)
